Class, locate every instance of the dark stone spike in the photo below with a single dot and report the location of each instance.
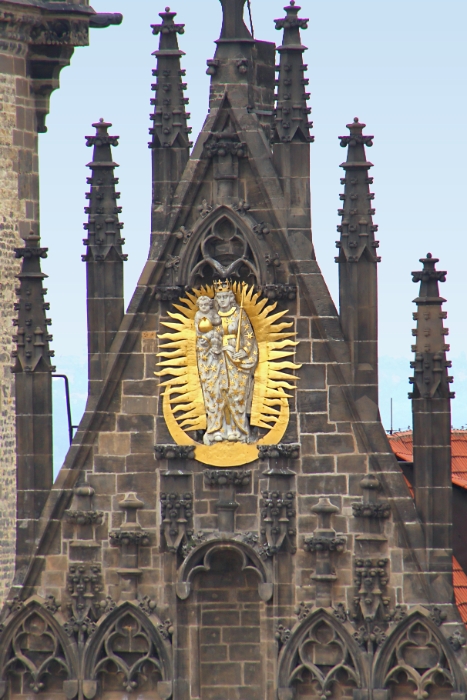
(431, 407)
(290, 81)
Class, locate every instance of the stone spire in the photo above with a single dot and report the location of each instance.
(32, 340)
(170, 116)
(430, 378)
(170, 142)
(357, 259)
(104, 257)
(33, 391)
(357, 229)
(431, 407)
(291, 116)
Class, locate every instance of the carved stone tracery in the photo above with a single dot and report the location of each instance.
(418, 656)
(225, 243)
(128, 653)
(199, 559)
(320, 652)
(35, 653)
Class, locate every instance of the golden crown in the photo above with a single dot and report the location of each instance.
(222, 285)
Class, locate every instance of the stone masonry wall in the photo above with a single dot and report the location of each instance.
(19, 209)
(226, 633)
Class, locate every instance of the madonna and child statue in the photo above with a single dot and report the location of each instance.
(225, 369)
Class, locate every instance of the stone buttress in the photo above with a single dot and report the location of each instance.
(37, 40)
(286, 560)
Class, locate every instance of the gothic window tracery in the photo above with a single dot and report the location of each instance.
(222, 247)
(34, 657)
(415, 662)
(319, 661)
(128, 654)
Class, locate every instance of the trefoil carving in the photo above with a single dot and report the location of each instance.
(127, 651)
(318, 651)
(34, 652)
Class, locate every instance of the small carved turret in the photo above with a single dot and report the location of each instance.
(104, 257)
(431, 407)
(357, 259)
(170, 143)
(242, 69)
(291, 118)
(33, 390)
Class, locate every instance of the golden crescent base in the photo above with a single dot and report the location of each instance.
(225, 454)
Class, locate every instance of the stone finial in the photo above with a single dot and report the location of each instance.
(291, 120)
(357, 229)
(103, 225)
(430, 378)
(170, 116)
(32, 338)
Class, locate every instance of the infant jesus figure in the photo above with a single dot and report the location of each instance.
(211, 366)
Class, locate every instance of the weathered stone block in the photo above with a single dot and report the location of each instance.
(335, 444)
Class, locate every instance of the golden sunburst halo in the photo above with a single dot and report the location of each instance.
(183, 404)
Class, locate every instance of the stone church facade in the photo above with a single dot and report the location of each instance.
(230, 520)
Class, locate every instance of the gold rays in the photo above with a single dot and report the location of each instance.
(274, 344)
(273, 379)
(180, 363)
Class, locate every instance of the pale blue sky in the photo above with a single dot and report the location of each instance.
(399, 66)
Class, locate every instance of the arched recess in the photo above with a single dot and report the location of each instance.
(200, 560)
(416, 658)
(36, 656)
(224, 245)
(321, 654)
(127, 653)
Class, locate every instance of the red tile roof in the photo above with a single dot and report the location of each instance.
(402, 446)
(459, 580)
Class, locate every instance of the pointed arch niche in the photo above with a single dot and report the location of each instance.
(222, 588)
(127, 655)
(416, 661)
(224, 245)
(36, 656)
(321, 659)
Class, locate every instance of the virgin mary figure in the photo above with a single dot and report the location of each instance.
(227, 358)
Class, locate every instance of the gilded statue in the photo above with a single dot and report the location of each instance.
(226, 359)
(227, 354)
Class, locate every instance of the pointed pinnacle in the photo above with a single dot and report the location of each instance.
(170, 115)
(32, 339)
(291, 109)
(103, 221)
